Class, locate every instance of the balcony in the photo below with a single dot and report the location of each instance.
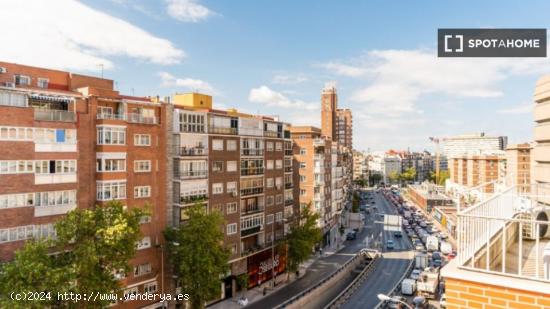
(289, 202)
(192, 199)
(111, 116)
(54, 115)
(252, 152)
(288, 152)
(288, 169)
(319, 169)
(138, 118)
(250, 209)
(191, 174)
(191, 151)
(222, 130)
(270, 134)
(251, 231)
(252, 171)
(289, 185)
(252, 191)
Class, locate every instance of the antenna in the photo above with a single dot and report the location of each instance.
(101, 66)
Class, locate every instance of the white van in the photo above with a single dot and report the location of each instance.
(408, 287)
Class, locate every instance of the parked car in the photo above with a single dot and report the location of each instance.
(398, 234)
(351, 235)
(389, 244)
(419, 247)
(415, 274)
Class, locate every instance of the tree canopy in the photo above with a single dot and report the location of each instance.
(303, 236)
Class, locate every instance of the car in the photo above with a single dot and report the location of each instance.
(415, 274)
(398, 234)
(389, 244)
(419, 247)
(396, 302)
(351, 236)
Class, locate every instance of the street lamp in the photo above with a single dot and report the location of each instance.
(383, 297)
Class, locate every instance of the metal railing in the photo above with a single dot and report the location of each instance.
(191, 174)
(252, 152)
(250, 231)
(193, 199)
(111, 116)
(506, 233)
(54, 115)
(192, 151)
(222, 130)
(250, 209)
(252, 171)
(138, 118)
(251, 191)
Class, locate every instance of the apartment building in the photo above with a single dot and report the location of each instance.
(360, 167)
(473, 171)
(69, 141)
(518, 164)
(314, 156)
(472, 144)
(344, 128)
(541, 151)
(336, 123)
(240, 165)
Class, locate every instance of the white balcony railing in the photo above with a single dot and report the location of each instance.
(508, 234)
(54, 115)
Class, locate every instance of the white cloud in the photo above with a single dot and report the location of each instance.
(398, 79)
(66, 34)
(343, 69)
(270, 97)
(169, 80)
(523, 108)
(288, 79)
(188, 10)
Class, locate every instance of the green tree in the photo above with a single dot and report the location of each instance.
(91, 245)
(242, 281)
(443, 175)
(198, 255)
(303, 236)
(394, 177)
(33, 269)
(375, 178)
(409, 174)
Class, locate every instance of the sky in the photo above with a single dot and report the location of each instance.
(274, 58)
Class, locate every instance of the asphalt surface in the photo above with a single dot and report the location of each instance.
(389, 269)
(319, 270)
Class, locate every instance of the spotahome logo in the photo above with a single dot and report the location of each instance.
(491, 42)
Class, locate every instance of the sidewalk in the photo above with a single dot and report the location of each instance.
(311, 271)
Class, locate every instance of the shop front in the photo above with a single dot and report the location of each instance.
(265, 264)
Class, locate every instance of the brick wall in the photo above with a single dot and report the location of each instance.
(465, 294)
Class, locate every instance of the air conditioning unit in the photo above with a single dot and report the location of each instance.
(3, 70)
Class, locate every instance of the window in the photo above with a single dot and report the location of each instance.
(217, 166)
(142, 269)
(144, 243)
(150, 287)
(303, 151)
(144, 219)
(231, 208)
(130, 294)
(278, 146)
(269, 200)
(43, 82)
(269, 182)
(111, 165)
(111, 190)
(269, 219)
(192, 122)
(231, 186)
(302, 192)
(54, 167)
(279, 199)
(217, 144)
(9, 98)
(279, 164)
(111, 135)
(233, 248)
(217, 188)
(231, 166)
(252, 222)
(279, 182)
(142, 166)
(302, 164)
(142, 191)
(142, 139)
(269, 146)
(279, 217)
(231, 228)
(22, 80)
(269, 164)
(17, 167)
(231, 145)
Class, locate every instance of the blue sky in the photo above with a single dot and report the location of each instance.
(274, 57)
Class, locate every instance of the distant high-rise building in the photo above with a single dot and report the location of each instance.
(344, 127)
(336, 123)
(472, 144)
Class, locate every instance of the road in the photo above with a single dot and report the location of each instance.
(319, 270)
(389, 269)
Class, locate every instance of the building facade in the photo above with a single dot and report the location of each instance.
(71, 141)
(541, 151)
(518, 165)
(241, 166)
(472, 144)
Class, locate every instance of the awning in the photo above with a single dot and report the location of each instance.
(49, 98)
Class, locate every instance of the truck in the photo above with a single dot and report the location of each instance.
(432, 243)
(446, 247)
(421, 261)
(408, 287)
(428, 283)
